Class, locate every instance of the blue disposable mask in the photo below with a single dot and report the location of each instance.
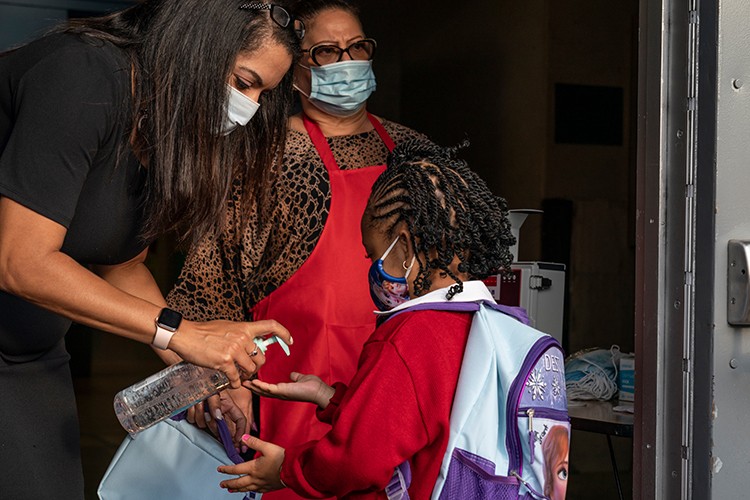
(238, 111)
(592, 374)
(388, 291)
(341, 88)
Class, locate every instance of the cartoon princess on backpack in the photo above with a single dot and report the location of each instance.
(555, 450)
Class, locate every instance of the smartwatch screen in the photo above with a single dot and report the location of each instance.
(169, 319)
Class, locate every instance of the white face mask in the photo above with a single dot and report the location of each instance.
(341, 88)
(238, 111)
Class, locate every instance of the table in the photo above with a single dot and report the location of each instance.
(598, 416)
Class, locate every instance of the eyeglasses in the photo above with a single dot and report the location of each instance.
(361, 50)
(280, 16)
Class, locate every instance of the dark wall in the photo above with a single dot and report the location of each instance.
(493, 72)
(24, 20)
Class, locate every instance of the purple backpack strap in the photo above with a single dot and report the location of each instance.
(224, 436)
(518, 313)
(398, 487)
(226, 440)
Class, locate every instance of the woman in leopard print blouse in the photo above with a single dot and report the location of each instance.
(300, 260)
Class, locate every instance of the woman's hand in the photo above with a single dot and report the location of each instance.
(223, 406)
(261, 474)
(236, 403)
(122, 299)
(307, 388)
(203, 414)
(225, 345)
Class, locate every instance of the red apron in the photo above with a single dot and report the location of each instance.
(325, 305)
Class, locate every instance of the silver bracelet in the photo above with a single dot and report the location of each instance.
(280, 480)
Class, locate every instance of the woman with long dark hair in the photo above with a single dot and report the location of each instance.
(296, 262)
(114, 130)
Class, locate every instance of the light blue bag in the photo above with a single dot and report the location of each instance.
(172, 459)
(509, 425)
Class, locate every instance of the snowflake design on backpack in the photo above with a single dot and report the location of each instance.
(536, 384)
(556, 390)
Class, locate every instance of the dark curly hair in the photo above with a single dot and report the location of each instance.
(448, 210)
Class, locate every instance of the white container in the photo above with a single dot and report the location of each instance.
(626, 378)
(538, 287)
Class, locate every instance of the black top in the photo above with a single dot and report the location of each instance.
(64, 153)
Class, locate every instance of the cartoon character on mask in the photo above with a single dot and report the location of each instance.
(388, 291)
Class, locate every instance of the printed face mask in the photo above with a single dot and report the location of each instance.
(238, 111)
(388, 291)
(341, 88)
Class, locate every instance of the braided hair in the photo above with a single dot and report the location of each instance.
(448, 210)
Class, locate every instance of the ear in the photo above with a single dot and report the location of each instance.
(404, 242)
(301, 79)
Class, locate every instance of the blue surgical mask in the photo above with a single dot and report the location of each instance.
(388, 291)
(238, 111)
(342, 88)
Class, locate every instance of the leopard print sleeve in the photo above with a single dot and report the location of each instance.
(209, 286)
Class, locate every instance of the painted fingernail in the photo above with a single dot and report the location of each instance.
(254, 427)
(207, 416)
(244, 448)
(245, 437)
(218, 415)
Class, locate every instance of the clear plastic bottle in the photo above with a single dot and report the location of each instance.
(166, 393)
(171, 391)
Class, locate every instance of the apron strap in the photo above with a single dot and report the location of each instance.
(324, 150)
(382, 132)
(320, 143)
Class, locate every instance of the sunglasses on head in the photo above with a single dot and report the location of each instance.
(279, 15)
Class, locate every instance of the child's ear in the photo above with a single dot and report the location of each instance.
(404, 241)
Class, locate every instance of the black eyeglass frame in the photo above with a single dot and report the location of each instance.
(285, 21)
(312, 49)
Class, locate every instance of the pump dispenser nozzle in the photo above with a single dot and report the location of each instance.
(264, 343)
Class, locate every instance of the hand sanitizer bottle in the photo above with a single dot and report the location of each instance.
(171, 391)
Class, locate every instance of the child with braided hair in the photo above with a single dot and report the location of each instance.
(432, 229)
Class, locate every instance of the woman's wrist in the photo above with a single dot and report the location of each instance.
(177, 343)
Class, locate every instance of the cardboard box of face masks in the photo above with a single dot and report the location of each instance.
(626, 378)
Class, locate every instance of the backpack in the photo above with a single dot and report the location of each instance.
(509, 426)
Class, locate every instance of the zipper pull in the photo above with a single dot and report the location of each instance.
(530, 414)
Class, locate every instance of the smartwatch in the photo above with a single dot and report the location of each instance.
(167, 324)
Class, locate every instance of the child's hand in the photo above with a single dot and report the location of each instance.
(304, 388)
(261, 474)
